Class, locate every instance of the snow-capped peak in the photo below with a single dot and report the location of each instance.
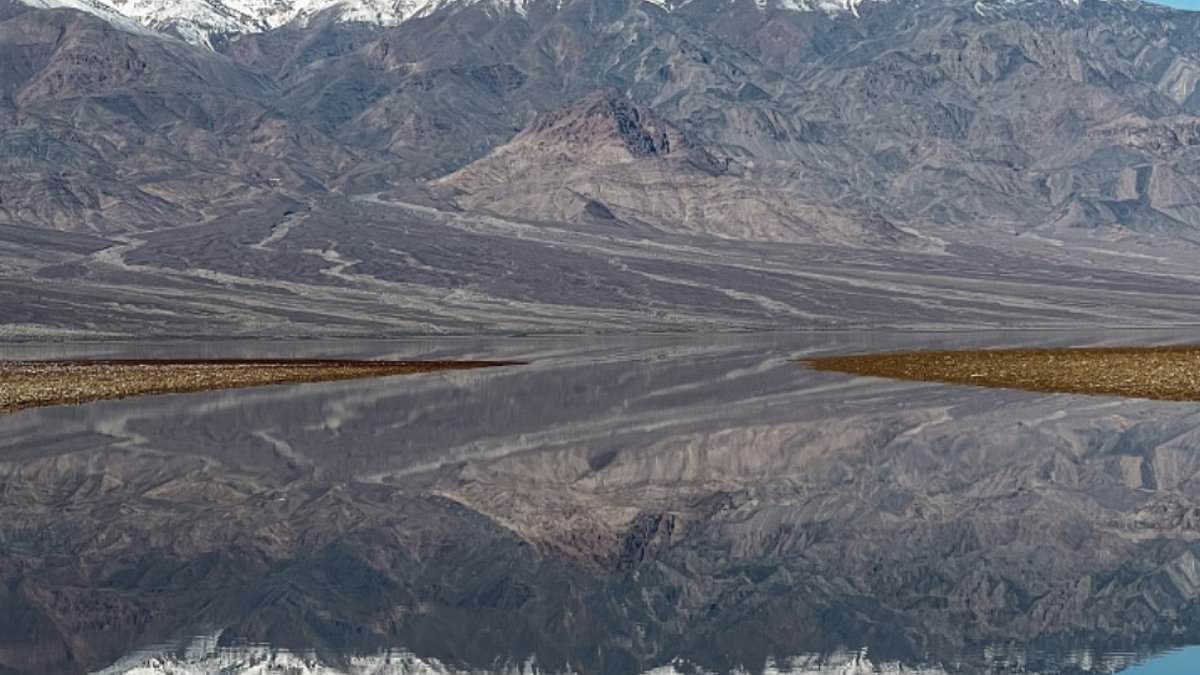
(198, 21)
(827, 6)
(203, 655)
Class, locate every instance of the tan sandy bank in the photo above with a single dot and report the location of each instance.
(1165, 373)
(30, 384)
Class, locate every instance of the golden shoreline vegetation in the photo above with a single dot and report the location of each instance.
(1162, 373)
(31, 384)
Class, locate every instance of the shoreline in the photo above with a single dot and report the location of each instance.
(35, 384)
(1168, 373)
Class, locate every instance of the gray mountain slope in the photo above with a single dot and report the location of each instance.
(1059, 135)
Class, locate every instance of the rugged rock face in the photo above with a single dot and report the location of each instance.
(1009, 117)
(209, 22)
(605, 128)
(979, 134)
(606, 161)
(110, 131)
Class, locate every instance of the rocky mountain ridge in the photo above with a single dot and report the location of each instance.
(209, 22)
(1058, 134)
(910, 112)
(604, 160)
(202, 21)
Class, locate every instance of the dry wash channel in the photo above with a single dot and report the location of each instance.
(1165, 373)
(30, 384)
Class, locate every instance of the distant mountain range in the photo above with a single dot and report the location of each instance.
(1046, 130)
(199, 21)
(1020, 116)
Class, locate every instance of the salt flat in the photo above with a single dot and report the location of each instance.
(368, 267)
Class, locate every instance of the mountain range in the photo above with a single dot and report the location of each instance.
(958, 139)
(199, 21)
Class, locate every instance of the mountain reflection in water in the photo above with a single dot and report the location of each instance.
(616, 506)
(203, 654)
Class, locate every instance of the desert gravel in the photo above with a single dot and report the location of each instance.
(29, 384)
(1164, 373)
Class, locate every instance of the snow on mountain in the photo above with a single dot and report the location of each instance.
(827, 6)
(98, 8)
(204, 658)
(203, 655)
(832, 7)
(198, 21)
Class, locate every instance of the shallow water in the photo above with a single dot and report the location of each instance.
(618, 505)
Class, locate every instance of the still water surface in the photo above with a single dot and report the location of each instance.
(618, 505)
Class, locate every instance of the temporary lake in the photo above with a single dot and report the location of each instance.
(615, 505)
